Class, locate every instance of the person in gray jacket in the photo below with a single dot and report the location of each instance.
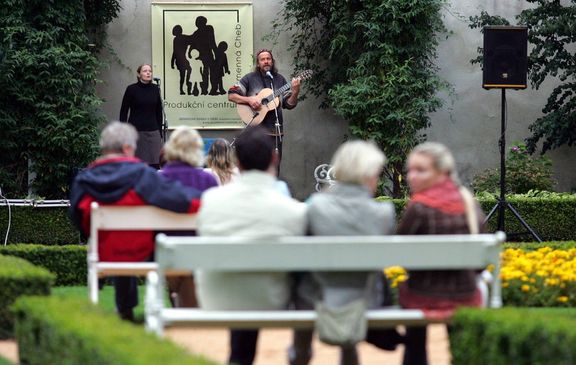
(348, 208)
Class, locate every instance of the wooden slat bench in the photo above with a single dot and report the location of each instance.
(341, 254)
(129, 218)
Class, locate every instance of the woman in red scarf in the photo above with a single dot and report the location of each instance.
(438, 205)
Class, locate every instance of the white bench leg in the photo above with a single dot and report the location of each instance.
(154, 304)
(92, 280)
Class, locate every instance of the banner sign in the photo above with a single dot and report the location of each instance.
(199, 50)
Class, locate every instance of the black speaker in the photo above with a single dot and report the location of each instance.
(505, 57)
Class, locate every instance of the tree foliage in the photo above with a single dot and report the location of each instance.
(374, 63)
(49, 112)
(552, 35)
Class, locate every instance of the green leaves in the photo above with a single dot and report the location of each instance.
(379, 74)
(49, 119)
(552, 36)
(523, 173)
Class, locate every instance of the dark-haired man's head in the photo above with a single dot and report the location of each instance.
(254, 150)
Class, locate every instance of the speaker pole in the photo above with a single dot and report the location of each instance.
(502, 203)
(502, 143)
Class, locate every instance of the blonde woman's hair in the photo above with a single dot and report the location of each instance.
(356, 161)
(442, 158)
(221, 160)
(185, 145)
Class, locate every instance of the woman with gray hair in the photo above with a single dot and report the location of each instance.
(438, 205)
(348, 208)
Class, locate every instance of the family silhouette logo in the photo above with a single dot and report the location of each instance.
(199, 51)
(212, 55)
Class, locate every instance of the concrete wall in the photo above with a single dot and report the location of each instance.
(469, 123)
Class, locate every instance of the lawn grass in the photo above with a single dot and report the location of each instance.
(105, 298)
(3, 361)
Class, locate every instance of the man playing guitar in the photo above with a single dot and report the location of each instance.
(265, 76)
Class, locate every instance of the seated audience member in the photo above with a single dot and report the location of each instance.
(250, 206)
(220, 162)
(438, 205)
(348, 208)
(184, 155)
(118, 178)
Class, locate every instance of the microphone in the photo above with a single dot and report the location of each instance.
(269, 74)
(156, 79)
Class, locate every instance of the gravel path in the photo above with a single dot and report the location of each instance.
(213, 344)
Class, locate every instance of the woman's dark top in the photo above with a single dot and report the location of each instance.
(145, 106)
(439, 210)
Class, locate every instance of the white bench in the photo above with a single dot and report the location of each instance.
(128, 218)
(320, 253)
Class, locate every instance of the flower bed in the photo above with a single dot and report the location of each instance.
(531, 277)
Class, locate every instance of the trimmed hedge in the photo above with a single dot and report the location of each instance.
(68, 331)
(526, 336)
(19, 277)
(67, 262)
(551, 217)
(47, 226)
(533, 246)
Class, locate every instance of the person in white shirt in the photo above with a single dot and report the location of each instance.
(250, 206)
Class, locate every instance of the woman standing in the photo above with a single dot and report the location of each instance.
(142, 107)
(438, 205)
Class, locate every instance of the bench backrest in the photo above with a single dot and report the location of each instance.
(135, 218)
(342, 253)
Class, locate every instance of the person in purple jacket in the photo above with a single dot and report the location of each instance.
(184, 155)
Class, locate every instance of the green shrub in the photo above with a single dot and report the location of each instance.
(533, 246)
(19, 277)
(68, 263)
(523, 173)
(551, 217)
(68, 331)
(48, 226)
(527, 336)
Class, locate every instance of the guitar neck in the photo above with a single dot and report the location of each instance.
(278, 92)
(282, 89)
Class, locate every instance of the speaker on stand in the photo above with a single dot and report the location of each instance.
(505, 66)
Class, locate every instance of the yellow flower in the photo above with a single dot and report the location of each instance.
(562, 299)
(525, 288)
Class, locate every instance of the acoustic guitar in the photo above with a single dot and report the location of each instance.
(270, 100)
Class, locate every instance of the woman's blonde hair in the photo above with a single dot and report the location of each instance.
(185, 145)
(442, 158)
(220, 159)
(356, 161)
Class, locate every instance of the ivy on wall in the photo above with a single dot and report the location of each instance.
(49, 111)
(374, 63)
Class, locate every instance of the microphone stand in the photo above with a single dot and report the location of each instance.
(277, 123)
(164, 131)
(244, 130)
